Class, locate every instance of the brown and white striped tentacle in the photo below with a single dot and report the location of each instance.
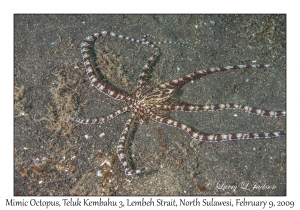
(121, 148)
(144, 74)
(104, 118)
(164, 42)
(182, 106)
(145, 71)
(86, 46)
(216, 137)
(181, 81)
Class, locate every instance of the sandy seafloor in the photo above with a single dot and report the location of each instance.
(48, 164)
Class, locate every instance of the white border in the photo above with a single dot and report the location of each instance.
(8, 8)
